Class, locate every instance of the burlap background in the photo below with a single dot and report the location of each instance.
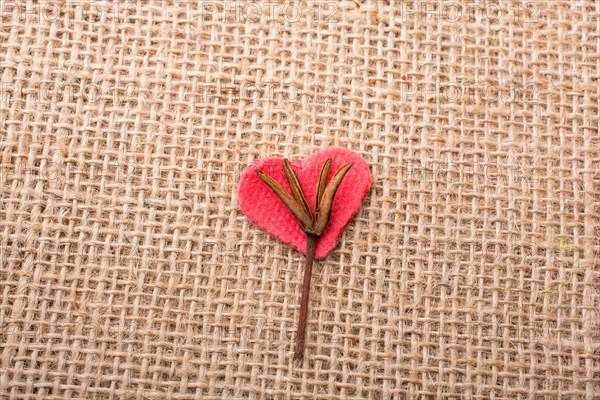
(128, 271)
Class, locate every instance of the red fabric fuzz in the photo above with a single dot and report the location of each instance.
(264, 208)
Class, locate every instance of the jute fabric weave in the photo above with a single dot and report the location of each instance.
(127, 270)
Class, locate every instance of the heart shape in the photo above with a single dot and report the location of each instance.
(262, 206)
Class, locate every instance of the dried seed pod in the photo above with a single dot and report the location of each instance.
(313, 223)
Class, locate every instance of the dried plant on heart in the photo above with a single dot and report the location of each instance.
(313, 223)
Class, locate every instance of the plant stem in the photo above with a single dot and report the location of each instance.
(310, 255)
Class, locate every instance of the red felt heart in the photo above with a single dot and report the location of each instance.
(266, 210)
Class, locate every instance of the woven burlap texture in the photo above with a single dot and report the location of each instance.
(127, 270)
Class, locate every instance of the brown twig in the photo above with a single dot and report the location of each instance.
(300, 332)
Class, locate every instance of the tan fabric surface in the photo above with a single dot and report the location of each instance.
(128, 271)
